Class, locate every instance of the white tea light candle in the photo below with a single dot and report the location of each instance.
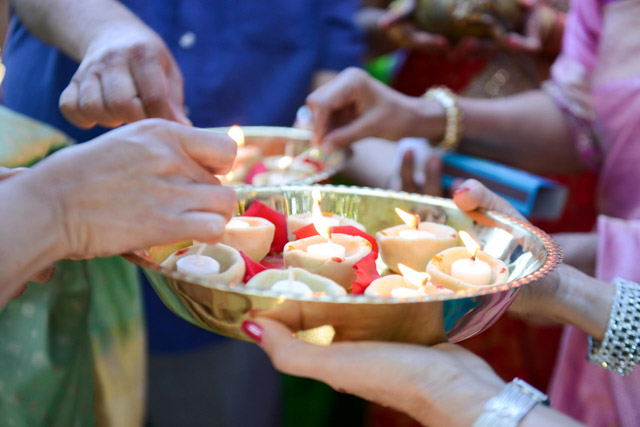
(198, 265)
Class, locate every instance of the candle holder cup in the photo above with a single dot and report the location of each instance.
(528, 252)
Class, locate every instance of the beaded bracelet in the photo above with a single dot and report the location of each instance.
(620, 350)
(453, 131)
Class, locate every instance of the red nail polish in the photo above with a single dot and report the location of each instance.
(253, 330)
(461, 191)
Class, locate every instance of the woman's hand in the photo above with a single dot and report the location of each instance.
(127, 74)
(442, 385)
(354, 106)
(145, 184)
(564, 296)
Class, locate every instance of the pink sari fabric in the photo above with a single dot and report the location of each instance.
(600, 63)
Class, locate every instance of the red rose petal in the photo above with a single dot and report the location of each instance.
(366, 272)
(251, 267)
(258, 168)
(310, 230)
(353, 231)
(306, 231)
(276, 218)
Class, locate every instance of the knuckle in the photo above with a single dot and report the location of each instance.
(154, 101)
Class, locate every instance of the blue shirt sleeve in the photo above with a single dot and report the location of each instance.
(341, 41)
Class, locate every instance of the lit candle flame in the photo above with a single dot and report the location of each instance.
(285, 162)
(235, 133)
(469, 242)
(410, 219)
(228, 178)
(319, 221)
(414, 277)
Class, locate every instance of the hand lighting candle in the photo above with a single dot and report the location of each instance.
(467, 268)
(414, 243)
(331, 256)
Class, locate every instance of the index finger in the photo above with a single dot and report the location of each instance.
(152, 86)
(331, 97)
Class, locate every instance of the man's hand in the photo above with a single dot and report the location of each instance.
(126, 75)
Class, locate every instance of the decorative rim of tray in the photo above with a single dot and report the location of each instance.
(551, 262)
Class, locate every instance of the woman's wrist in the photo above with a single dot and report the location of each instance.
(584, 302)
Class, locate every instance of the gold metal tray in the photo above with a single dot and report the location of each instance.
(272, 141)
(529, 253)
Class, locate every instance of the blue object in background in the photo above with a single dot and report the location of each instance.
(532, 195)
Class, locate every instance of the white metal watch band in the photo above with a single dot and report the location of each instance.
(508, 408)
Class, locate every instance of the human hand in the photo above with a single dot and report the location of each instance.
(534, 301)
(566, 295)
(579, 250)
(432, 183)
(400, 28)
(429, 384)
(127, 74)
(543, 30)
(144, 184)
(354, 106)
(46, 274)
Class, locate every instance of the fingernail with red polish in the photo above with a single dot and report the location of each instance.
(461, 191)
(253, 330)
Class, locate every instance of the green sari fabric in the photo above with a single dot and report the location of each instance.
(71, 350)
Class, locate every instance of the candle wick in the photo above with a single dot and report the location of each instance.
(199, 253)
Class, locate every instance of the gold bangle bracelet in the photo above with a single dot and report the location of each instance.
(449, 101)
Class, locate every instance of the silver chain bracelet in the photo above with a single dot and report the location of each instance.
(620, 350)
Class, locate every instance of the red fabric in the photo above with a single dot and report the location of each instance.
(280, 238)
(421, 71)
(366, 272)
(310, 230)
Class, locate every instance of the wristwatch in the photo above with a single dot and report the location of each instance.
(510, 406)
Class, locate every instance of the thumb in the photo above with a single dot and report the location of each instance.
(474, 195)
(215, 151)
(287, 353)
